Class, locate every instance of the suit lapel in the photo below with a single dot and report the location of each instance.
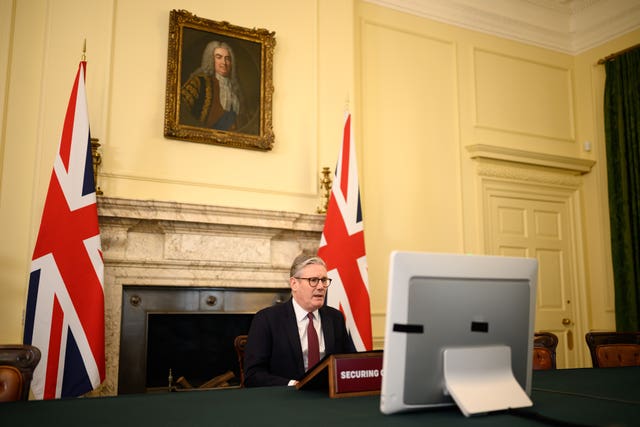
(327, 331)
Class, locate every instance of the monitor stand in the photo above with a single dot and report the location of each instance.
(480, 379)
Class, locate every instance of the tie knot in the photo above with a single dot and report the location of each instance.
(310, 315)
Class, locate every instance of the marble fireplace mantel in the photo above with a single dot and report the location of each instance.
(154, 243)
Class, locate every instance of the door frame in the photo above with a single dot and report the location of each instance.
(554, 185)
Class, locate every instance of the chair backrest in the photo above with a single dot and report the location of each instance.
(614, 349)
(544, 350)
(11, 383)
(17, 362)
(240, 343)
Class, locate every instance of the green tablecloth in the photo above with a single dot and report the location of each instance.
(583, 396)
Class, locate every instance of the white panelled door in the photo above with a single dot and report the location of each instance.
(538, 222)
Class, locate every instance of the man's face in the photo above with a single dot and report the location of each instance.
(222, 61)
(309, 298)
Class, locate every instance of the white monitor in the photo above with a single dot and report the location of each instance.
(459, 330)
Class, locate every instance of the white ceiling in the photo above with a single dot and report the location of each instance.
(569, 26)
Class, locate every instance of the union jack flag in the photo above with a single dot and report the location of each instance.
(342, 246)
(65, 303)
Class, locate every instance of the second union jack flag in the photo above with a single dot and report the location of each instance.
(65, 303)
(342, 246)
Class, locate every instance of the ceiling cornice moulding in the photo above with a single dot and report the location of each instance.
(568, 26)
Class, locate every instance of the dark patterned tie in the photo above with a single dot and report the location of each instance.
(313, 354)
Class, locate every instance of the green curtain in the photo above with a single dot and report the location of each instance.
(622, 129)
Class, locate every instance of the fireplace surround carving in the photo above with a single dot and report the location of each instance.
(156, 244)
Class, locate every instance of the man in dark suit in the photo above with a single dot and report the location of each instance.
(277, 351)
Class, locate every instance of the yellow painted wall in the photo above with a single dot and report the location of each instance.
(426, 92)
(409, 142)
(126, 76)
(421, 93)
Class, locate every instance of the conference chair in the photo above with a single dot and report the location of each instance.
(614, 349)
(240, 343)
(544, 350)
(17, 362)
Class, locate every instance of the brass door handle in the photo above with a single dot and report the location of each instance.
(566, 322)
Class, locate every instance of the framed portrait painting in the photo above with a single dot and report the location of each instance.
(219, 83)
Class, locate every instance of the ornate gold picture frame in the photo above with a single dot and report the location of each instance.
(219, 83)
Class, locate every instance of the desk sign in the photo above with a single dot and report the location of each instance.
(353, 374)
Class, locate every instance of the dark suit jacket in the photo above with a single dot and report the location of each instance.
(273, 354)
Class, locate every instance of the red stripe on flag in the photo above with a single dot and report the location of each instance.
(69, 118)
(346, 144)
(53, 360)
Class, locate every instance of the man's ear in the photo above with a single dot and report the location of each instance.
(293, 283)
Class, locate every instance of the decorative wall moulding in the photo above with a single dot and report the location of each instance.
(569, 164)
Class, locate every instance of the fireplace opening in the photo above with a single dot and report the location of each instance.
(195, 347)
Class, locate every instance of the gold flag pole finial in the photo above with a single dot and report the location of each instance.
(325, 186)
(84, 50)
